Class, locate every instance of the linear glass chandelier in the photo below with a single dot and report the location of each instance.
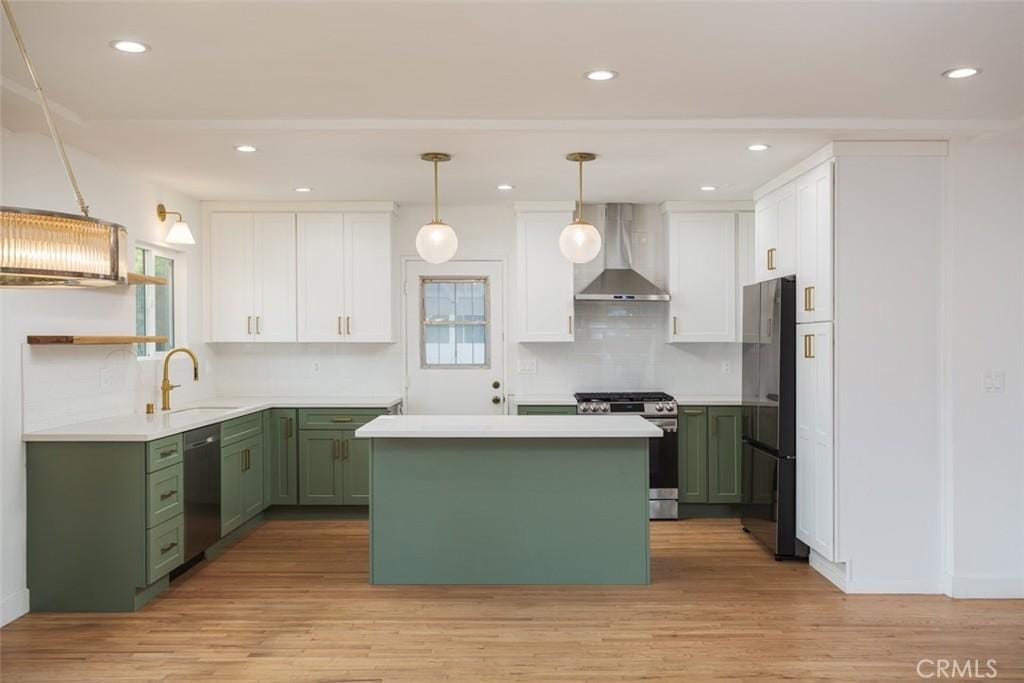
(49, 248)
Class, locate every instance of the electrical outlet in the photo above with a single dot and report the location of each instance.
(105, 378)
(726, 367)
(994, 381)
(527, 367)
(316, 367)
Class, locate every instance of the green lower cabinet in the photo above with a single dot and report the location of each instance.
(280, 457)
(241, 483)
(166, 547)
(355, 466)
(693, 455)
(546, 410)
(320, 467)
(725, 471)
(710, 454)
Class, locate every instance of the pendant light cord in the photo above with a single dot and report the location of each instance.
(437, 219)
(579, 218)
(46, 110)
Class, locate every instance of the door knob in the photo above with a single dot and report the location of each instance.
(495, 400)
(495, 384)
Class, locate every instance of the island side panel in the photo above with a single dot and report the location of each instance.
(509, 511)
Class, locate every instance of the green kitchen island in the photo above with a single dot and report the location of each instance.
(553, 499)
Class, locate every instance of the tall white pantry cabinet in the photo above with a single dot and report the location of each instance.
(866, 220)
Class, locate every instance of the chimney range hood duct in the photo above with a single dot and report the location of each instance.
(618, 281)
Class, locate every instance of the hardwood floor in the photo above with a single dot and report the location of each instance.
(290, 603)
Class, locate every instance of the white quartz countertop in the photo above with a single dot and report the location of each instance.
(142, 427)
(507, 427)
(543, 399)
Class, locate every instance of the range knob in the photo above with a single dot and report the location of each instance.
(660, 407)
(604, 408)
(585, 408)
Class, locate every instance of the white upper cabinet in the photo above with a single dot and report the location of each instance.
(815, 455)
(368, 309)
(775, 233)
(344, 278)
(274, 264)
(814, 244)
(321, 285)
(702, 276)
(231, 295)
(545, 287)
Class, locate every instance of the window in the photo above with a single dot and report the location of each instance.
(455, 315)
(154, 304)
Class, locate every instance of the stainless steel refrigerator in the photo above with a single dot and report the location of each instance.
(769, 416)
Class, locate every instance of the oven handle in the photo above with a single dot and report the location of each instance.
(667, 425)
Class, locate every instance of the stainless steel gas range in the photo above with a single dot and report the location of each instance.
(660, 409)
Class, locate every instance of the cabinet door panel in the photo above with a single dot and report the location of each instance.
(724, 455)
(369, 313)
(545, 284)
(252, 478)
(274, 266)
(814, 245)
(321, 281)
(230, 300)
(693, 455)
(785, 257)
(320, 467)
(702, 277)
(815, 457)
(765, 236)
(231, 487)
(281, 464)
(356, 475)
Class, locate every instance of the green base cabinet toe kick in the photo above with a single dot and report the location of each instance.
(106, 523)
(710, 458)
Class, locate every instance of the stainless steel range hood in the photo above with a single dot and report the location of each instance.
(618, 281)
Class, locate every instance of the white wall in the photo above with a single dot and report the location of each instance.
(984, 321)
(64, 385)
(618, 346)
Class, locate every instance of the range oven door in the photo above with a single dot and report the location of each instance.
(664, 470)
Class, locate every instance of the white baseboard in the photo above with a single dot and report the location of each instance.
(896, 586)
(14, 606)
(987, 587)
(833, 571)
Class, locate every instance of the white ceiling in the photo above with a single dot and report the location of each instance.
(343, 96)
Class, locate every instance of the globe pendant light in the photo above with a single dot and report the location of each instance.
(580, 242)
(40, 248)
(436, 242)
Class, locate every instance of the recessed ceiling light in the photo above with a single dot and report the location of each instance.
(506, 187)
(601, 75)
(129, 46)
(708, 188)
(758, 147)
(961, 72)
(245, 148)
(303, 189)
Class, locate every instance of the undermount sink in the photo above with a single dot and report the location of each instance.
(199, 411)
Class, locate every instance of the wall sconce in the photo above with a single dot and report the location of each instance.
(179, 232)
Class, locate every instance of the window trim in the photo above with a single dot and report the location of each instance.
(178, 295)
(485, 323)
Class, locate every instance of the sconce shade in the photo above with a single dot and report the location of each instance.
(180, 234)
(47, 248)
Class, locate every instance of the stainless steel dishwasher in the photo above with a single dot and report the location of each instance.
(202, 489)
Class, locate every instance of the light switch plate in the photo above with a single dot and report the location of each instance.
(726, 367)
(994, 381)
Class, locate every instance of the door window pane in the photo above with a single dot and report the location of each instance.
(455, 324)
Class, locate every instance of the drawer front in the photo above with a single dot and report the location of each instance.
(166, 547)
(164, 494)
(547, 410)
(336, 418)
(241, 428)
(164, 452)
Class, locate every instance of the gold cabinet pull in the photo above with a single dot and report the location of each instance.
(771, 259)
(335, 446)
(348, 324)
(808, 346)
(693, 411)
(339, 325)
(167, 494)
(675, 326)
(168, 548)
(288, 427)
(344, 450)
(570, 324)
(169, 451)
(248, 324)
(258, 325)
(809, 298)
(714, 425)
(341, 419)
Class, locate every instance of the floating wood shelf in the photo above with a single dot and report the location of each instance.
(82, 339)
(140, 279)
